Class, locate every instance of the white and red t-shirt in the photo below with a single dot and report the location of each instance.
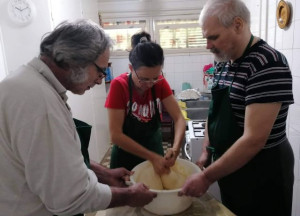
(142, 106)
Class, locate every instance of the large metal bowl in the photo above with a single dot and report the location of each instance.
(167, 202)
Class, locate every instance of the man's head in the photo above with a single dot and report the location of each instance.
(225, 25)
(81, 50)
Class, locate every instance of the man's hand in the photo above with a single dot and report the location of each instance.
(113, 177)
(137, 195)
(204, 160)
(141, 195)
(196, 185)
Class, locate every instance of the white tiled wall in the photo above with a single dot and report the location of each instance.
(177, 69)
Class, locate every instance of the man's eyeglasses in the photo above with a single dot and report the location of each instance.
(100, 70)
(148, 81)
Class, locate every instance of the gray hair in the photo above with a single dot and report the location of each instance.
(75, 45)
(225, 11)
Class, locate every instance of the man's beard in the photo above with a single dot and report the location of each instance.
(220, 56)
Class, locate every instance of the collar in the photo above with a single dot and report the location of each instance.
(45, 71)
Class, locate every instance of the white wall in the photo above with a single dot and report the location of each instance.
(90, 106)
(177, 69)
(21, 44)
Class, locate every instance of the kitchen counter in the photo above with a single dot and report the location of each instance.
(203, 206)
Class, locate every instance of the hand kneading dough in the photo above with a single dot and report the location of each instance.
(175, 179)
(150, 178)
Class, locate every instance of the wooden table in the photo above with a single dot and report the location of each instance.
(203, 206)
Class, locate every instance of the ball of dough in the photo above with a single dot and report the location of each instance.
(175, 179)
(149, 177)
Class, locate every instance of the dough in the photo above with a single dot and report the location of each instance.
(175, 179)
(150, 178)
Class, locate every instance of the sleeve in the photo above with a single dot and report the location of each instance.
(270, 80)
(164, 89)
(116, 97)
(54, 167)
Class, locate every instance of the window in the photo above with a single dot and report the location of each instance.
(179, 34)
(172, 33)
(121, 32)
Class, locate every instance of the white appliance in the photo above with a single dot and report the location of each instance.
(194, 137)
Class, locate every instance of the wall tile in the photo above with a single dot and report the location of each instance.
(169, 76)
(169, 60)
(187, 59)
(272, 16)
(296, 199)
(288, 53)
(288, 37)
(296, 10)
(169, 68)
(271, 36)
(296, 90)
(188, 77)
(178, 59)
(296, 44)
(196, 58)
(179, 68)
(295, 66)
(197, 66)
(292, 3)
(294, 118)
(298, 165)
(294, 137)
(279, 37)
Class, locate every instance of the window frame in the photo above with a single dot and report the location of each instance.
(183, 17)
(145, 27)
(153, 29)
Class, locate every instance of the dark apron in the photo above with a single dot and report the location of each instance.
(223, 129)
(84, 132)
(147, 134)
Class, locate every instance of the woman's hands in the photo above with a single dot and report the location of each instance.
(171, 156)
(162, 164)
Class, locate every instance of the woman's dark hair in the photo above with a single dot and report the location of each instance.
(140, 37)
(148, 54)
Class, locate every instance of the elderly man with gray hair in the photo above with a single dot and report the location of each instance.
(42, 170)
(246, 129)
